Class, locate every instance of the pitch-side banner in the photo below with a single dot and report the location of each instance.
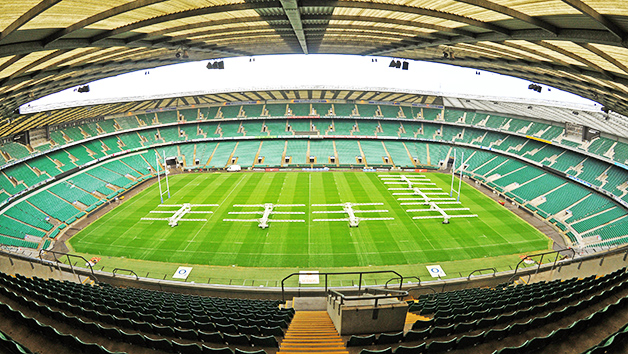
(182, 273)
(308, 277)
(436, 271)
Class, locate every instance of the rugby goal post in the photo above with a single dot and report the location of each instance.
(167, 191)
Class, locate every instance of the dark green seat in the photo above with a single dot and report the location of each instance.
(166, 321)
(518, 328)
(211, 337)
(210, 350)
(523, 348)
(419, 324)
(185, 333)
(251, 330)
(495, 334)
(205, 326)
(189, 348)
(419, 349)
(361, 341)
(159, 344)
(230, 328)
(240, 351)
(413, 336)
(439, 347)
(189, 324)
(134, 338)
(383, 351)
(236, 339)
(164, 331)
(469, 341)
(111, 333)
(271, 331)
(389, 338)
(441, 331)
(269, 342)
(143, 327)
(464, 327)
(123, 322)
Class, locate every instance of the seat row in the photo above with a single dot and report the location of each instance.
(163, 344)
(516, 328)
(67, 340)
(528, 347)
(137, 296)
(613, 343)
(10, 346)
(243, 335)
(514, 300)
(452, 303)
(185, 318)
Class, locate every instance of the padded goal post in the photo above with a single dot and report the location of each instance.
(165, 165)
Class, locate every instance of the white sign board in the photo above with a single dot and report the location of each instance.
(308, 277)
(436, 271)
(182, 273)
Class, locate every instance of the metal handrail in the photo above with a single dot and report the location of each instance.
(68, 255)
(326, 274)
(557, 252)
(126, 270)
(479, 270)
(389, 280)
(400, 295)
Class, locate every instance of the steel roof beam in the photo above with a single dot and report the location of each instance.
(27, 16)
(183, 15)
(134, 5)
(405, 9)
(514, 14)
(576, 36)
(599, 18)
(291, 9)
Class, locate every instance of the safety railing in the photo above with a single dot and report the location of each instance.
(540, 262)
(327, 274)
(481, 270)
(68, 256)
(115, 270)
(401, 281)
(333, 295)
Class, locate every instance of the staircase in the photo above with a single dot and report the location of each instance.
(312, 332)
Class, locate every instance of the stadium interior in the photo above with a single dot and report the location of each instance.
(565, 167)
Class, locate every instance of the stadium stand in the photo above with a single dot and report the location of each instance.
(297, 151)
(246, 152)
(222, 154)
(348, 151)
(321, 151)
(399, 153)
(375, 153)
(516, 180)
(272, 151)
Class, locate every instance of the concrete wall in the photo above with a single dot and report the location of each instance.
(362, 316)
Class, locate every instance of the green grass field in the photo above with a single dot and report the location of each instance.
(402, 241)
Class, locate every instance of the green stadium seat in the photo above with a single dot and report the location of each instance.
(361, 341)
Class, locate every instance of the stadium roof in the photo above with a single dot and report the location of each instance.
(579, 46)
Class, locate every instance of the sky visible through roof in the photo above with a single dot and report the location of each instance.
(305, 72)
